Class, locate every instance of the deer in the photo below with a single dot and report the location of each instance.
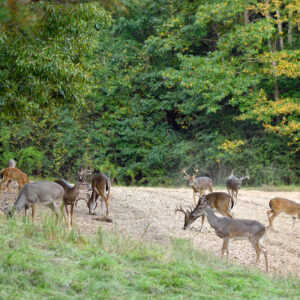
(70, 196)
(100, 187)
(228, 228)
(233, 184)
(279, 205)
(198, 184)
(220, 201)
(83, 173)
(9, 174)
(43, 192)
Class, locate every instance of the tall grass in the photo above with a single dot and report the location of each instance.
(45, 260)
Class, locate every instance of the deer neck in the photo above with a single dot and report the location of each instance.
(211, 217)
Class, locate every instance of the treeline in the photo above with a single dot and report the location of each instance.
(163, 85)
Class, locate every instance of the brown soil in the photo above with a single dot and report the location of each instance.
(148, 214)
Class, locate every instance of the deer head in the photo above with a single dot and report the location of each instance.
(84, 172)
(189, 218)
(190, 179)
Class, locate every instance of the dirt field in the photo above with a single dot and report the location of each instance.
(148, 214)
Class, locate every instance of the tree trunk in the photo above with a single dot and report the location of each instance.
(246, 16)
(290, 29)
(279, 25)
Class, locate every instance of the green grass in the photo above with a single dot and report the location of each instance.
(45, 261)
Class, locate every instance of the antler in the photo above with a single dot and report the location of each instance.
(180, 209)
(246, 176)
(85, 171)
(81, 199)
(196, 169)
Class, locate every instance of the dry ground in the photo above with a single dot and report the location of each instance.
(148, 214)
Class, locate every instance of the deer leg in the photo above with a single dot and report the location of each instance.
(72, 207)
(271, 218)
(225, 213)
(106, 202)
(62, 211)
(32, 211)
(225, 247)
(194, 196)
(54, 209)
(67, 211)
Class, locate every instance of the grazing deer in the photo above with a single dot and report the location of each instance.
(279, 205)
(198, 184)
(233, 184)
(220, 201)
(227, 228)
(43, 192)
(9, 174)
(100, 187)
(70, 196)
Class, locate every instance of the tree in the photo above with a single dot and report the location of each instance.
(46, 61)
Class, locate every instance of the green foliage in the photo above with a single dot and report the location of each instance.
(45, 62)
(168, 85)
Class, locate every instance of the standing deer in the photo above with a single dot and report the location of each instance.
(220, 201)
(233, 184)
(198, 184)
(279, 205)
(70, 196)
(100, 187)
(227, 228)
(43, 192)
(9, 174)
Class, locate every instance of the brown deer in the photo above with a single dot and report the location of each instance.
(100, 187)
(279, 205)
(198, 184)
(9, 174)
(219, 201)
(70, 196)
(233, 184)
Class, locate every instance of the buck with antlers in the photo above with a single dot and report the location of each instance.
(10, 174)
(233, 184)
(227, 228)
(198, 184)
(219, 201)
(279, 205)
(100, 187)
(70, 196)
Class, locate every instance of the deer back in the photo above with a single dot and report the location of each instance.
(203, 183)
(280, 204)
(101, 183)
(15, 174)
(219, 200)
(41, 191)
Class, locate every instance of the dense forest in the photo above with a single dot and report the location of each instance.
(143, 89)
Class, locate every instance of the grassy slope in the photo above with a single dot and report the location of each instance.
(45, 261)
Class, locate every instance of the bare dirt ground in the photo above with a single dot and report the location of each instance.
(148, 214)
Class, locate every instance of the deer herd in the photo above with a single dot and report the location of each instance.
(226, 227)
